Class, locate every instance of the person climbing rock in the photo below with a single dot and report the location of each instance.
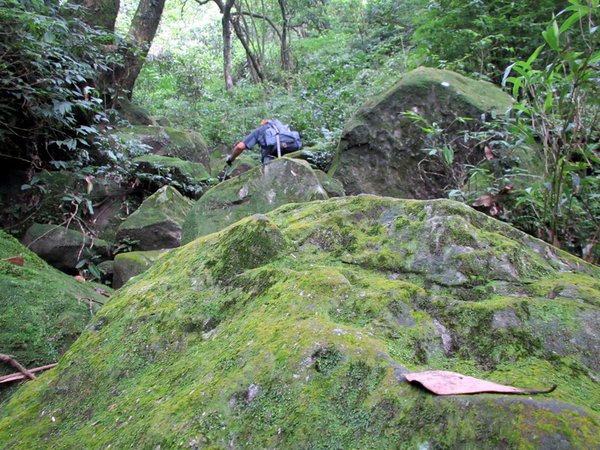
(275, 139)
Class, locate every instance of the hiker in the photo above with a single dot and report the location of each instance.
(275, 139)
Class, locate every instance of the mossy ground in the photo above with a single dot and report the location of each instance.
(42, 310)
(291, 331)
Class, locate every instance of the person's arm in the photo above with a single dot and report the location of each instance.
(237, 149)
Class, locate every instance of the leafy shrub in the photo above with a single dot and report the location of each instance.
(48, 106)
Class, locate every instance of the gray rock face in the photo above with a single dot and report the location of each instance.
(156, 224)
(259, 190)
(63, 248)
(383, 151)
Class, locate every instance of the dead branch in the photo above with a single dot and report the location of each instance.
(13, 362)
(20, 376)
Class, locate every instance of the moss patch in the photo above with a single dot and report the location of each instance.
(289, 330)
(42, 310)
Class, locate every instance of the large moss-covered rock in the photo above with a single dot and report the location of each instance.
(294, 330)
(259, 190)
(64, 247)
(128, 265)
(166, 141)
(333, 187)
(157, 223)
(383, 151)
(178, 169)
(42, 310)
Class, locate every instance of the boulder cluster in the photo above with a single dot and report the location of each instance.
(284, 307)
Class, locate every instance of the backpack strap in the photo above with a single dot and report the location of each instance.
(274, 125)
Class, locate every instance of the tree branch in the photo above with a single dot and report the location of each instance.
(13, 362)
(259, 16)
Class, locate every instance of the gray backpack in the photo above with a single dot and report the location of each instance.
(279, 136)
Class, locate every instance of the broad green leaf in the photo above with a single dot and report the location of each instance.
(576, 17)
(49, 37)
(534, 55)
(551, 35)
(448, 154)
(548, 101)
(516, 87)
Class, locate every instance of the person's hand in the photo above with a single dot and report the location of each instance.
(229, 160)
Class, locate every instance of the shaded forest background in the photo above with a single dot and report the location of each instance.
(219, 66)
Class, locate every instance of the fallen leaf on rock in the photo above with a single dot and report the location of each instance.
(16, 260)
(443, 382)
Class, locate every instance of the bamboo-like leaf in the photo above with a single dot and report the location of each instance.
(551, 35)
(548, 101)
(535, 54)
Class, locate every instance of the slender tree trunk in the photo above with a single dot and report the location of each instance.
(226, 23)
(141, 33)
(286, 56)
(241, 35)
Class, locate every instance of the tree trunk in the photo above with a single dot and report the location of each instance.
(241, 35)
(226, 22)
(99, 13)
(286, 56)
(141, 33)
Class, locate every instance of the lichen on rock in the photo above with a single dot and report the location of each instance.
(293, 329)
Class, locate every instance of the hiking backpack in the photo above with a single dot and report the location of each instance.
(280, 137)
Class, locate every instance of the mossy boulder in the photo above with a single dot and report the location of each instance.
(134, 113)
(333, 187)
(157, 223)
(128, 265)
(259, 190)
(248, 160)
(184, 172)
(167, 141)
(295, 329)
(42, 310)
(383, 151)
(64, 248)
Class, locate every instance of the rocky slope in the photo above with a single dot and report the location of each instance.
(42, 310)
(294, 329)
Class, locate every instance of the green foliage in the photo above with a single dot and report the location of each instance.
(558, 118)
(47, 101)
(480, 37)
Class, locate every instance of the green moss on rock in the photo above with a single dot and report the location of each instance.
(382, 151)
(194, 172)
(157, 223)
(257, 191)
(128, 265)
(289, 330)
(42, 310)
